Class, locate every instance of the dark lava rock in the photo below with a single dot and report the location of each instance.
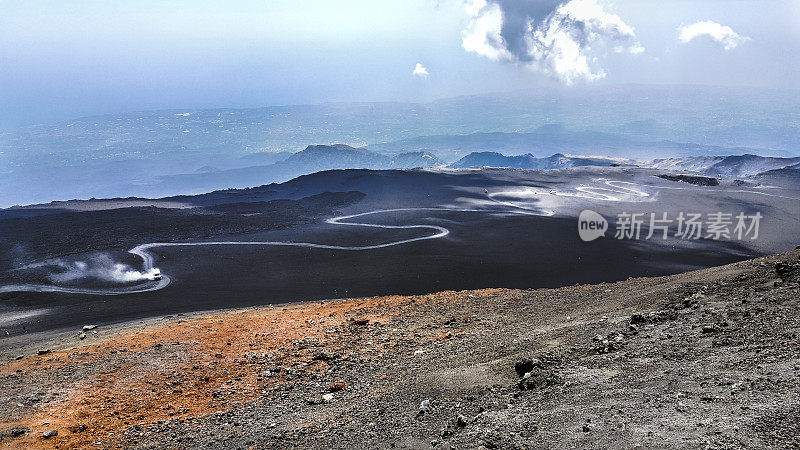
(637, 319)
(698, 180)
(526, 365)
(337, 386)
(784, 269)
(15, 432)
(538, 378)
(77, 428)
(608, 344)
(50, 433)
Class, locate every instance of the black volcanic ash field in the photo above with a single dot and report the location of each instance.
(523, 236)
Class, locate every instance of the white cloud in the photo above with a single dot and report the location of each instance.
(482, 35)
(473, 7)
(636, 49)
(420, 71)
(719, 33)
(558, 39)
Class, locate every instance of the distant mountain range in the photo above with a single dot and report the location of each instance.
(135, 153)
(719, 166)
(314, 158)
(551, 139)
(339, 156)
(727, 166)
(528, 161)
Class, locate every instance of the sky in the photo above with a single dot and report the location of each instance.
(63, 59)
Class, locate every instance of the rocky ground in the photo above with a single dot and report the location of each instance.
(703, 359)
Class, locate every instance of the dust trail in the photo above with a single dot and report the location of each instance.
(100, 266)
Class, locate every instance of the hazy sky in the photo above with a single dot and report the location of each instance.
(62, 59)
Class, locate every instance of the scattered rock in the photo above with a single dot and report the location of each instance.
(308, 342)
(50, 433)
(784, 269)
(637, 319)
(710, 328)
(613, 342)
(538, 378)
(89, 327)
(653, 317)
(15, 432)
(526, 365)
(324, 355)
(337, 386)
(327, 397)
(77, 428)
(424, 406)
(44, 351)
(82, 336)
(461, 421)
(690, 301)
(360, 321)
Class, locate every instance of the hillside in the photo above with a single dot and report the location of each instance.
(706, 358)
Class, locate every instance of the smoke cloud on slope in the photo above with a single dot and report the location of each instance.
(98, 267)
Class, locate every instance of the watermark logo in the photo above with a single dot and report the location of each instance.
(686, 226)
(591, 225)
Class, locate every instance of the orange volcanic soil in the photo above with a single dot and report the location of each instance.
(190, 367)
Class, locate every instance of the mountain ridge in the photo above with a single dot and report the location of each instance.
(528, 161)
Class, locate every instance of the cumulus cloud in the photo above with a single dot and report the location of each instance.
(557, 38)
(420, 71)
(719, 33)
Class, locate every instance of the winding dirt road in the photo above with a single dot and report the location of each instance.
(613, 190)
(148, 258)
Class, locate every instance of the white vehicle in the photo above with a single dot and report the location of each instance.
(156, 274)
